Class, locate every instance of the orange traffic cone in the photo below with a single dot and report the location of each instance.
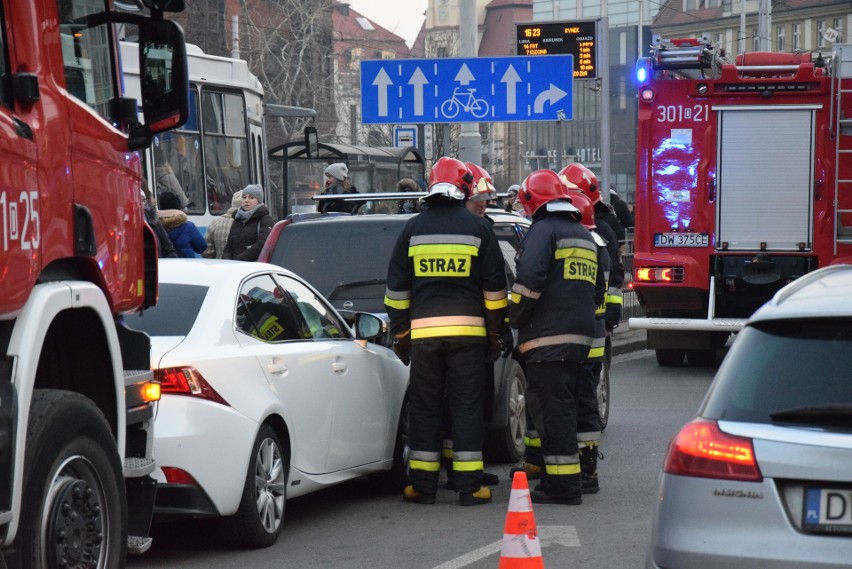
(521, 548)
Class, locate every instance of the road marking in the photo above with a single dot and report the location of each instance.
(566, 536)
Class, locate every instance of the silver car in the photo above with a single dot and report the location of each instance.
(762, 478)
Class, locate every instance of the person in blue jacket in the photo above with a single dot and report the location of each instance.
(184, 234)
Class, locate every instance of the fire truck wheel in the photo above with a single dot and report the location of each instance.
(74, 512)
(701, 358)
(670, 358)
(257, 522)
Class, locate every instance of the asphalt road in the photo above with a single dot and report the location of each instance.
(355, 526)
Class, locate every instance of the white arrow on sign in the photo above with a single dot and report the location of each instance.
(511, 79)
(552, 95)
(382, 81)
(464, 76)
(418, 79)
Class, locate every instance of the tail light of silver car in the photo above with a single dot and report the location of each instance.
(701, 449)
(187, 381)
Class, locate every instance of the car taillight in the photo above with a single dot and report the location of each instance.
(187, 381)
(178, 476)
(701, 449)
(659, 274)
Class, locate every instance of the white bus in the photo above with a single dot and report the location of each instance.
(221, 148)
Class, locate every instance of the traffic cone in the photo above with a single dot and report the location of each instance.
(521, 548)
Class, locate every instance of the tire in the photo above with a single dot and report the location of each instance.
(670, 358)
(507, 444)
(74, 505)
(257, 523)
(395, 479)
(603, 385)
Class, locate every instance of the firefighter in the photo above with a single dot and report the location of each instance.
(446, 298)
(588, 413)
(610, 229)
(482, 190)
(556, 289)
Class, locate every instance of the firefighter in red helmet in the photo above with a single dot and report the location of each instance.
(446, 298)
(482, 190)
(557, 287)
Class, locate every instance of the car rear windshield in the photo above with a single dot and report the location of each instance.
(790, 371)
(338, 257)
(175, 313)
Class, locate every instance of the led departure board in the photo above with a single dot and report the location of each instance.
(559, 38)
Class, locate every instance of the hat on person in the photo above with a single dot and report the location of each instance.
(338, 171)
(255, 191)
(513, 189)
(237, 199)
(169, 200)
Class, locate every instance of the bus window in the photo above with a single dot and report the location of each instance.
(225, 147)
(177, 162)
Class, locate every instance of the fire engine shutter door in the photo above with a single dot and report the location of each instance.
(765, 180)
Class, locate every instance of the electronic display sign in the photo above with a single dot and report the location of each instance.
(556, 38)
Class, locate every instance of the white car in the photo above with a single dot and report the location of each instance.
(267, 394)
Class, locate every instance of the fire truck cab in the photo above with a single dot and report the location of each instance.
(744, 183)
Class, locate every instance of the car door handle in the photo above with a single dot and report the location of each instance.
(277, 369)
(339, 367)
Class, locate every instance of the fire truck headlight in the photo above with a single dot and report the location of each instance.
(646, 95)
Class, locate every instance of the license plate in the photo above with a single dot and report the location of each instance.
(828, 510)
(681, 239)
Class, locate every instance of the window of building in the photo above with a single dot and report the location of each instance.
(442, 51)
(755, 40)
(797, 36)
(365, 24)
(837, 24)
(622, 48)
(717, 40)
(820, 33)
(779, 38)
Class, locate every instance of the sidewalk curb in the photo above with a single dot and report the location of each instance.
(625, 340)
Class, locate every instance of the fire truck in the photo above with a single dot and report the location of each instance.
(77, 393)
(743, 184)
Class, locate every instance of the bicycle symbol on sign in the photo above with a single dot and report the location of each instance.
(467, 101)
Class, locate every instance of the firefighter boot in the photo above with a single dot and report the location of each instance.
(589, 468)
(417, 497)
(533, 471)
(488, 479)
(481, 496)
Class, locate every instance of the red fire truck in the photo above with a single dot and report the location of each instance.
(743, 183)
(76, 389)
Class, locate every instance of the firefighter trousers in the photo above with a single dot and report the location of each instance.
(588, 414)
(555, 386)
(446, 372)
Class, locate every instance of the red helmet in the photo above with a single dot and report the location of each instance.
(483, 185)
(450, 177)
(542, 187)
(587, 210)
(584, 179)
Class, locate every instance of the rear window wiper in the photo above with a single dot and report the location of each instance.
(829, 415)
(356, 283)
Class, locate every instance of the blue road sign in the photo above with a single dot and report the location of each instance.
(453, 90)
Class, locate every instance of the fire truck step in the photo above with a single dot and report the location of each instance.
(137, 545)
(135, 467)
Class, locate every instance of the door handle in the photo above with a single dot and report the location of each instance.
(277, 369)
(339, 367)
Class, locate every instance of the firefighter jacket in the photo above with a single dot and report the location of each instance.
(598, 347)
(447, 276)
(615, 283)
(557, 287)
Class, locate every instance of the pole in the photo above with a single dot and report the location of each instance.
(603, 66)
(470, 142)
(640, 49)
(235, 37)
(764, 22)
(742, 46)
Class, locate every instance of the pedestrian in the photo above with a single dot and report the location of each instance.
(622, 210)
(482, 191)
(220, 228)
(588, 412)
(252, 225)
(510, 204)
(337, 182)
(412, 205)
(184, 234)
(167, 180)
(556, 289)
(165, 247)
(446, 298)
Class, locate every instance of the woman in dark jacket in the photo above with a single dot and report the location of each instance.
(251, 227)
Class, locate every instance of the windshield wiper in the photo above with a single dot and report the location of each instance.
(833, 415)
(354, 284)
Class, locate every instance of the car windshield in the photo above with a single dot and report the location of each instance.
(175, 313)
(340, 258)
(796, 371)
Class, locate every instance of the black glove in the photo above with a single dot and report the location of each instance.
(495, 348)
(402, 347)
(508, 342)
